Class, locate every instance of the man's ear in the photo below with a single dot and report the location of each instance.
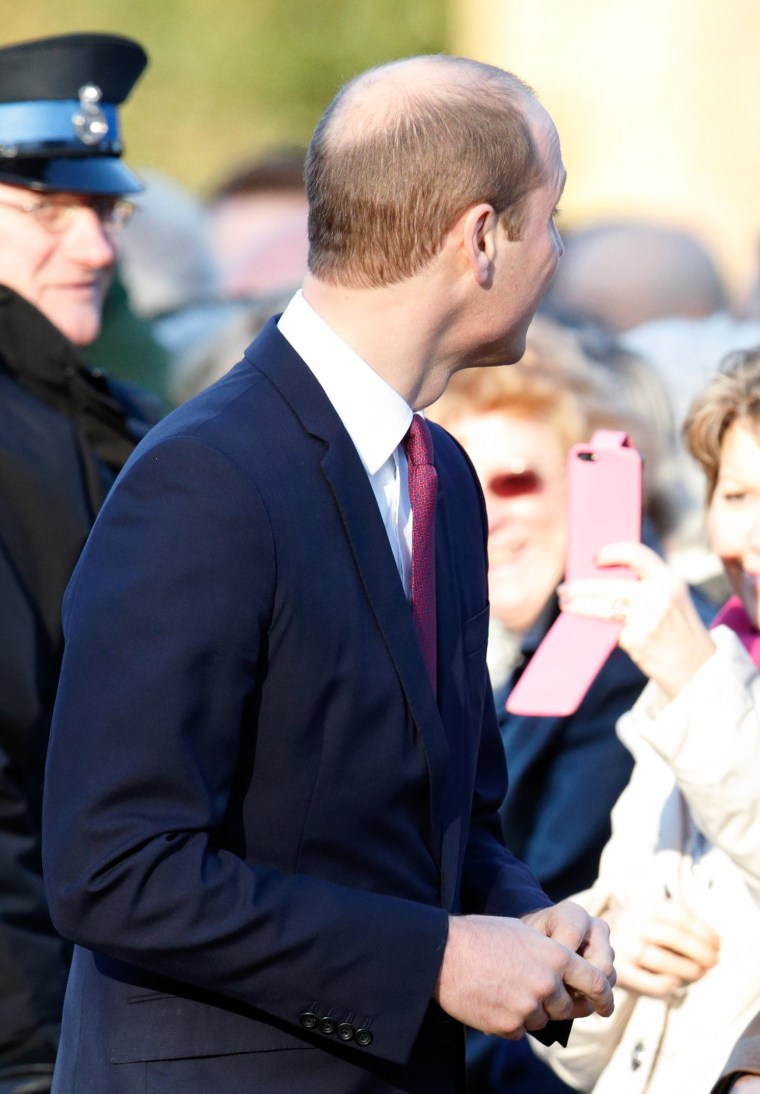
(479, 227)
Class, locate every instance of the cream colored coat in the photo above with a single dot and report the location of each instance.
(688, 824)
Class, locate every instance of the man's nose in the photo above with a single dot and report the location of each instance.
(89, 242)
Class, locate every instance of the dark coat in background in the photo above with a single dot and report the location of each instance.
(64, 434)
(566, 773)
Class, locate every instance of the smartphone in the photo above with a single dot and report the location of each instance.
(604, 506)
(604, 502)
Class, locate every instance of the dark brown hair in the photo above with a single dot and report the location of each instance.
(279, 170)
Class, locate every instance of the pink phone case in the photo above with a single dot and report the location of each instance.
(604, 500)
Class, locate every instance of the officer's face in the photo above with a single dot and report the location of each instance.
(64, 272)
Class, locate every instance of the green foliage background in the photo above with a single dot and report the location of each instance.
(230, 78)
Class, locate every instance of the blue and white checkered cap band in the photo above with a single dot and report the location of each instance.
(50, 126)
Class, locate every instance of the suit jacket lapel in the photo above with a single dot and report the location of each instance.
(452, 699)
(361, 519)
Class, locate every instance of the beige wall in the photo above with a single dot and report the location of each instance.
(657, 104)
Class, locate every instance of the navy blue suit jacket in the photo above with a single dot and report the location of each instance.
(257, 817)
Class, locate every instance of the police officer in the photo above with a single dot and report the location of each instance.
(65, 431)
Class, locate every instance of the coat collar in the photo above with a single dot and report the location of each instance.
(45, 363)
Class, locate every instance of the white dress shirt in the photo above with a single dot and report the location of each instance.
(375, 417)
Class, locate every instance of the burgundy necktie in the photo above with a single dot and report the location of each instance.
(423, 487)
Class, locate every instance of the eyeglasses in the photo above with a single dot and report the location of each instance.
(56, 215)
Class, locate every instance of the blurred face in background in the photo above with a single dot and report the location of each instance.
(520, 462)
(734, 513)
(60, 263)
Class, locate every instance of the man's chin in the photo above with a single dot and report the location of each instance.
(81, 327)
(504, 352)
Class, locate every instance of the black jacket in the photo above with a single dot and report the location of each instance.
(64, 434)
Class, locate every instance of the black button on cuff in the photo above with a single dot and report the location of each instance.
(308, 1019)
(345, 1031)
(363, 1037)
(328, 1025)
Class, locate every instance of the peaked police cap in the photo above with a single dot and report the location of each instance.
(59, 124)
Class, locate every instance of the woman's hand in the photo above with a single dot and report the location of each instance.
(660, 946)
(661, 630)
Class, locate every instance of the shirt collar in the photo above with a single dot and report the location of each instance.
(375, 416)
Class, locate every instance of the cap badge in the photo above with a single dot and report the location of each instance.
(89, 121)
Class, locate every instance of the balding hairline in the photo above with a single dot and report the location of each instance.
(383, 95)
(404, 149)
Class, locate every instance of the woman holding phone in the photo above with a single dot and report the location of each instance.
(679, 880)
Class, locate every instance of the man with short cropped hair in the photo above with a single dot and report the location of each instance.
(272, 827)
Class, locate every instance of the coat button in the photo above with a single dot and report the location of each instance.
(346, 1031)
(363, 1037)
(328, 1025)
(308, 1019)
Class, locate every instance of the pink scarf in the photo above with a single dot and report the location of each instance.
(733, 615)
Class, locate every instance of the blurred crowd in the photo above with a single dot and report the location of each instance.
(644, 803)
